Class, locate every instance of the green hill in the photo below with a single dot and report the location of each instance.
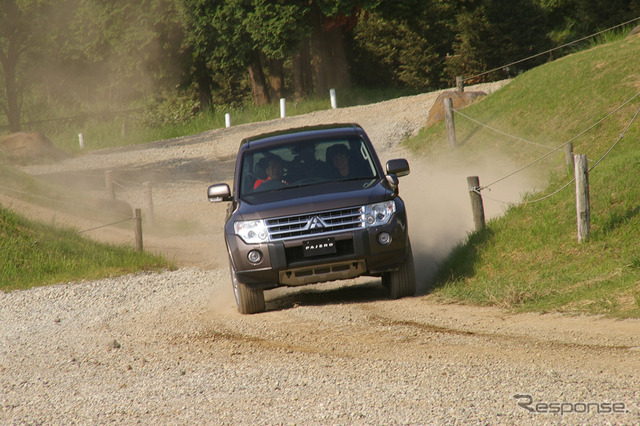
(33, 254)
(530, 259)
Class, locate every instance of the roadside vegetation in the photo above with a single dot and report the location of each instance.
(529, 259)
(182, 118)
(34, 254)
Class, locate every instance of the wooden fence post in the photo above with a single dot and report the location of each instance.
(477, 205)
(448, 118)
(108, 180)
(583, 207)
(568, 156)
(148, 195)
(138, 220)
(460, 83)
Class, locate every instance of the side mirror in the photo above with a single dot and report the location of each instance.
(398, 167)
(219, 192)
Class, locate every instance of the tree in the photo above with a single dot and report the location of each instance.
(222, 46)
(573, 19)
(19, 29)
(498, 32)
(404, 44)
(197, 16)
(127, 49)
(278, 30)
(330, 20)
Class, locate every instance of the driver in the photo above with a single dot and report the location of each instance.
(274, 170)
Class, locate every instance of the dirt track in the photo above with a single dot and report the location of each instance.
(330, 353)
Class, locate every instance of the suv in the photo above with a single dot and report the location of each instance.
(313, 204)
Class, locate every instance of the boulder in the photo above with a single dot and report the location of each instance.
(459, 100)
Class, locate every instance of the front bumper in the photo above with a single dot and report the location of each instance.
(357, 253)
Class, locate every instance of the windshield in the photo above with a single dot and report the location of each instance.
(306, 163)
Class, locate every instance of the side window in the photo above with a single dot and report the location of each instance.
(368, 168)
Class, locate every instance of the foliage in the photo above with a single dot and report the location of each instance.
(394, 52)
(21, 40)
(94, 56)
(171, 110)
(277, 28)
(496, 33)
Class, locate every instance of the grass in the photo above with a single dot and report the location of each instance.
(529, 259)
(34, 254)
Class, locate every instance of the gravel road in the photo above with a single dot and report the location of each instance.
(170, 348)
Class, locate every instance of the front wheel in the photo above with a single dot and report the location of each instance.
(401, 282)
(249, 301)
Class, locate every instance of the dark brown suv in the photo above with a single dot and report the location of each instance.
(313, 204)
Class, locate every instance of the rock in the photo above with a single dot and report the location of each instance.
(634, 32)
(30, 147)
(459, 100)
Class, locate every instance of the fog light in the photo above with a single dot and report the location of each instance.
(384, 238)
(254, 256)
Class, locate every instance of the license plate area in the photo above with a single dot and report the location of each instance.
(319, 247)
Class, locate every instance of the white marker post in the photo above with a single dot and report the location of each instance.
(81, 140)
(283, 108)
(227, 120)
(334, 102)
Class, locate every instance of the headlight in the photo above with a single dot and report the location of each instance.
(379, 213)
(251, 231)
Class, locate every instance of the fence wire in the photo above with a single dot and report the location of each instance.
(537, 160)
(53, 200)
(559, 147)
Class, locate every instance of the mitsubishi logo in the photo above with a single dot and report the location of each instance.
(316, 223)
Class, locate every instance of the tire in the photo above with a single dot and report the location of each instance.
(248, 301)
(401, 282)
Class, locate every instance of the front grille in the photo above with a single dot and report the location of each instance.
(315, 224)
(295, 254)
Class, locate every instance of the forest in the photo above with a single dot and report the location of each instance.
(74, 57)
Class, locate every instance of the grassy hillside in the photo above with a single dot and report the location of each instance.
(36, 254)
(530, 259)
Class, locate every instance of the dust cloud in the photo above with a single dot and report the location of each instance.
(439, 206)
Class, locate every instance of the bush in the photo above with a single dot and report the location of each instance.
(170, 110)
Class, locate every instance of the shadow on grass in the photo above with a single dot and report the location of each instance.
(617, 220)
(461, 262)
